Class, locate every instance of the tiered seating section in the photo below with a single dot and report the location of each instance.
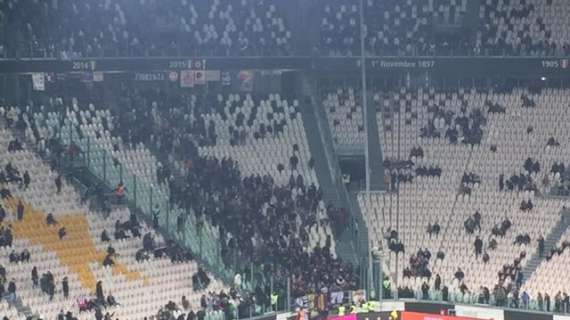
(518, 27)
(243, 160)
(90, 130)
(345, 115)
(407, 27)
(549, 276)
(393, 27)
(272, 126)
(141, 288)
(255, 28)
(145, 28)
(500, 146)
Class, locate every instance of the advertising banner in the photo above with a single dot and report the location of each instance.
(213, 75)
(347, 317)
(226, 78)
(422, 307)
(526, 315)
(187, 78)
(150, 76)
(199, 77)
(98, 76)
(426, 316)
(394, 315)
(479, 312)
(39, 81)
(245, 79)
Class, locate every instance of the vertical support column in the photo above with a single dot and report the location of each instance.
(134, 187)
(377, 277)
(104, 166)
(88, 152)
(364, 95)
(288, 299)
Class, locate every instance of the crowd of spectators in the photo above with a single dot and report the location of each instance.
(500, 229)
(257, 219)
(472, 222)
(394, 243)
(144, 28)
(465, 127)
(23, 256)
(430, 171)
(558, 250)
(215, 306)
(419, 264)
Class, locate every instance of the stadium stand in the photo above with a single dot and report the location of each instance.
(468, 181)
(80, 258)
(345, 115)
(147, 174)
(144, 28)
(340, 28)
(536, 28)
(547, 279)
(410, 28)
(256, 28)
(283, 125)
(393, 28)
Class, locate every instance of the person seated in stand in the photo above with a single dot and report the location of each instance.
(111, 300)
(50, 220)
(25, 256)
(62, 233)
(108, 261)
(120, 234)
(552, 142)
(492, 244)
(14, 257)
(440, 255)
(185, 303)
(142, 255)
(120, 192)
(133, 225)
(459, 275)
(148, 242)
(485, 257)
(105, 236)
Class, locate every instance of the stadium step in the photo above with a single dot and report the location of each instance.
(320, 142)
(353, 244)
(550, 241)
(376, 163)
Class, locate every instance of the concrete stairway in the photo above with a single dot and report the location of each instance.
(550, 242)
(375, 165)
(325, 174)
(19, 305)
(352, 244)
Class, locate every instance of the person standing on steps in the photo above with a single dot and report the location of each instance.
(58, 183)
(65, 288)
(540, 246)
(35, 277)
(20, 211)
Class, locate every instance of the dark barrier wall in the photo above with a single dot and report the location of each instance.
(271, 316)
(376, 316)
(469, 66)
(529, 315)
(433, 308)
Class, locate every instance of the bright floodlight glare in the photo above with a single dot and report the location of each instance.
(543, 78)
